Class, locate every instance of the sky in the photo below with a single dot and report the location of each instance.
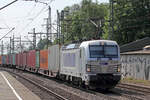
(26, 15)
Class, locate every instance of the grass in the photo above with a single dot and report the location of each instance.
(135, 81)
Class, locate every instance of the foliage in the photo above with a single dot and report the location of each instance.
(31, 47)
(132, 20)
(42, 44)
(77, 25)
(91, 20)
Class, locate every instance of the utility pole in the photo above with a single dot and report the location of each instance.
(2, 49)
(10, 45)
(58, 26)
(48, 26)
(50, 23)
(9, 48)
(62, 23)
(13, 44)
(34, 38)
(20, 45)
(47, 32)
(111, 30)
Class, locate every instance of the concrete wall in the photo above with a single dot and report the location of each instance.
(136, 66)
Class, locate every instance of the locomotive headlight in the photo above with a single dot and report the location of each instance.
(88, 68)
(118, 69)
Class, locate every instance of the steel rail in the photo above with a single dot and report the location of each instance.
(134, 87)
(59, 97)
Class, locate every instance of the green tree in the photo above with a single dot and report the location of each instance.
(131, 20)
(79, 18)
(42, 44)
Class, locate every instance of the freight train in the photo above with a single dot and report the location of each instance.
(94, 64)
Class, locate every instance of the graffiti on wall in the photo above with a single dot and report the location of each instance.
(136, 66)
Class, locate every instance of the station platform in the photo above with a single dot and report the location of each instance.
(11, 89)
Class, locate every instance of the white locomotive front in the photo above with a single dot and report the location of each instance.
(95, 63)
(102, 63)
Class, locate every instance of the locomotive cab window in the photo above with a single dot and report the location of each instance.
(96, 51)
(103, 51)
(111, 51)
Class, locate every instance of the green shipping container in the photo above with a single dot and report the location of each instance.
(37, 59)
(14, 59)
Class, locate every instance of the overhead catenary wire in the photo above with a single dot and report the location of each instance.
(4, 22)
(7, 33)
(40, 12)
(36, 15)
(28, 14)
(27, 25)
(8, 4)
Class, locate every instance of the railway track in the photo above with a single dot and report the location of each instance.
(120, 95)
(113, 95)
(141, 89)
(130, 97)
(41, 82)
(59, 97)
(96, 96)
(110, 95)
(133, 92)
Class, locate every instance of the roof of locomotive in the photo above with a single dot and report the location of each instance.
(98, 42)
(86, 43)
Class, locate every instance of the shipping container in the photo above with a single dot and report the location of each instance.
(16, 59)
(37, 59)
(7, 59)
(44, 59)
(54, 59)
(24, 59)
(31, 61)
(20, 59)
(9, 56)
(10, 61)
(4, 59)
(13, 59)
(0, 60)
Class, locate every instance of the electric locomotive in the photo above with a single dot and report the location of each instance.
(94, 63)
